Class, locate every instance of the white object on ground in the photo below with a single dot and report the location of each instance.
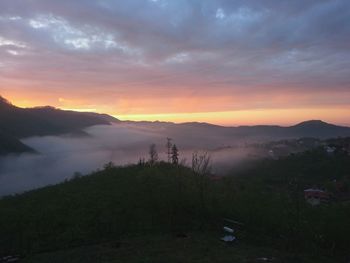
(228, 238)
(228, 229)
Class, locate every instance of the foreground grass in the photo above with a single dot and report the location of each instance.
(197, 247)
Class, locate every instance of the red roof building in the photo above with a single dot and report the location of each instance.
(316, 196)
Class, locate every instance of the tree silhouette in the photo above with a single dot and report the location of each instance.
(174, 155)
(201, 163)
(153, 155)
(168, 145)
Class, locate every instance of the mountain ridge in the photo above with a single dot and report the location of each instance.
(17, 123)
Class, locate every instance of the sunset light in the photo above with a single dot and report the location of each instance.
(238, 65)
(195, 131)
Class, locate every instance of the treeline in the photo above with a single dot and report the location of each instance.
(172, 154)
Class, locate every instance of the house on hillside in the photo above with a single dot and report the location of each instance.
(316, 196)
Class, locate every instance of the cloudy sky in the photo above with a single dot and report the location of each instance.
(221, 61)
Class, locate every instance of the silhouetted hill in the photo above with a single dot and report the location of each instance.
(20, 123)
(319, 129)
(106, 117)
(9, 144)
(313, 128)
(25, 122)
(209, 132)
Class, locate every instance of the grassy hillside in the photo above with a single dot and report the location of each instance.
(133, 205)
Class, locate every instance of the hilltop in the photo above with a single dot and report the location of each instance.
(17, 123)
(39, 121)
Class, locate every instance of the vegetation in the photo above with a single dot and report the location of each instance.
(174, 155)
(153, 155)
(163, 200)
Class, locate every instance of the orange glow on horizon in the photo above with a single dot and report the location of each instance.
(249, 117)
(128, 110)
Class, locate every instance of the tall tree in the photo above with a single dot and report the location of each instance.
(174, 155)
(201, 163)
(153, 154)
(168, 145)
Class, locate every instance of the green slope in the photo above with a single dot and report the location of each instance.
(133, 203)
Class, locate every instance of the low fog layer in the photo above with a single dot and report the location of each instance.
(61, 156)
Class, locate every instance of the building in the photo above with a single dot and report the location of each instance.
(316, 196)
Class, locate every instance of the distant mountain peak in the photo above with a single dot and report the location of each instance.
(313, 123)
(319, 129)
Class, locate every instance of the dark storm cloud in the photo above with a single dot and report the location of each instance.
(235, 47)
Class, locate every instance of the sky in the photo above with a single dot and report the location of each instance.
(220, 61)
